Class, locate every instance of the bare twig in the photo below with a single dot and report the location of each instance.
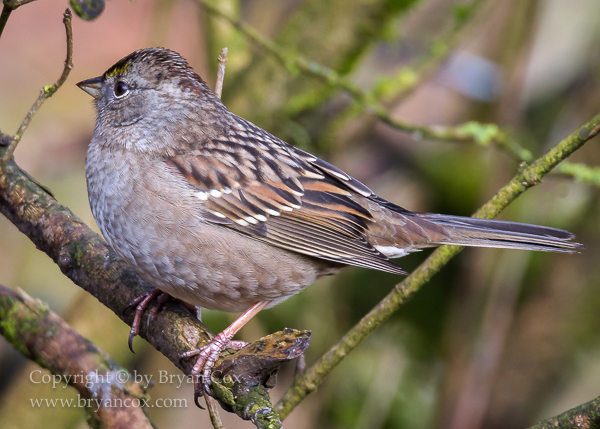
(46, 92)
(14, 4)
(6, 11)
(221, 72)
(213, 411)
(402, 292)
(9, 6)
(111, 397)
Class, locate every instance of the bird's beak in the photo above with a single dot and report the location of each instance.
(93, 87)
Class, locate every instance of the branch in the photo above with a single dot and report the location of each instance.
(9, 6)
(91, 264)
(14, 4)
(213, 411)
(402, 292)
(113, 399)
(46, 92)
(584, 416)
(6, 11)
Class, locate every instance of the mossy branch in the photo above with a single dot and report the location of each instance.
(113, 400)
(402, 292)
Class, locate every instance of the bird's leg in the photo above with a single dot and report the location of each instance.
(209, 354)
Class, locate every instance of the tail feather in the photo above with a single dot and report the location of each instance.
(465, 231)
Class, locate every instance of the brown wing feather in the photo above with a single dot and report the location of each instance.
(260, 186)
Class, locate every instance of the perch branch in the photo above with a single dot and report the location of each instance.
(112, 398)
(402, 292)
(46, 92)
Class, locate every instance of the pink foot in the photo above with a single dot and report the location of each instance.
(209, 354)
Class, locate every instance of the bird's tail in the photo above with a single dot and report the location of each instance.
(466, 231)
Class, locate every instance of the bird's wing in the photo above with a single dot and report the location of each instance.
(254, 183)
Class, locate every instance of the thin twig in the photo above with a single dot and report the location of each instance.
(221, 72)
(14, 4)
(6, 11)
(213, 411)
(46, 92)
(402, 292)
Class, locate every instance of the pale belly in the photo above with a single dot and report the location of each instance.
(222, 271)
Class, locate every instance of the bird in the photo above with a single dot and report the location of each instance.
(217, 212)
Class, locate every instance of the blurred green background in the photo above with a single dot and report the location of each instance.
(498, 339)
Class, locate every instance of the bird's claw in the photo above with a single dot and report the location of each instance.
(207, 357)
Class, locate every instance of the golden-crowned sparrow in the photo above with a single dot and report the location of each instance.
(217, 212)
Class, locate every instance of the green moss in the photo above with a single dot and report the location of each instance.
(78, 250)
(256, 405)
(482, 134)
(223, 393)
(14, 321)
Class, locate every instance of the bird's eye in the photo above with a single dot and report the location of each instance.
(121, 89)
